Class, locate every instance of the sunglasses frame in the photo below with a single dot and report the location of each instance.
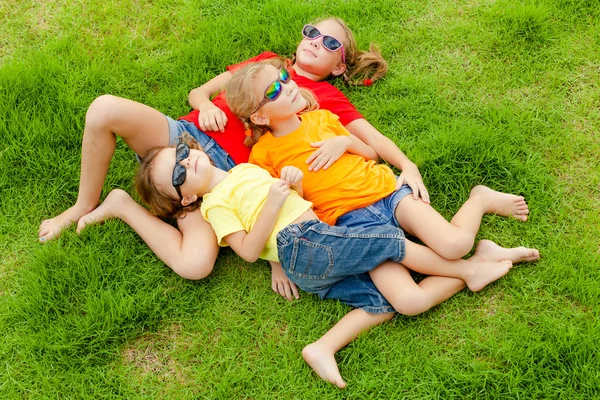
(182, 151)
(343, 51)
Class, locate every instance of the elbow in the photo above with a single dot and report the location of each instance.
(251, 258)
(193, 270)
(192, 94)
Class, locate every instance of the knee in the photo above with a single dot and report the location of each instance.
(410, 304)
(456, 246)
(101, 111)
(193, 271)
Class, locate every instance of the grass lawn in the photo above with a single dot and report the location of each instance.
(498, 92)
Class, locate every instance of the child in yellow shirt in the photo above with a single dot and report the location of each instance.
(264, 217)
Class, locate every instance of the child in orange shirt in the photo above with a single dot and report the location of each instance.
(351, 191)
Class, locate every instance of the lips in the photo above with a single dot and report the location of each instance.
(196, 166)
(311, 53)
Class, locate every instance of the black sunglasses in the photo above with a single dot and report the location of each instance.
(179, 172)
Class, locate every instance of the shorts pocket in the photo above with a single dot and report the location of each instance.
(311, 260)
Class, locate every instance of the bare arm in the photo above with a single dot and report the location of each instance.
(387, 150)
(249, 245)
(191, 251)
(211, 118)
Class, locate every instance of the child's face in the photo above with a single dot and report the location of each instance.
(290, 102)
(198, 170)
(312, 57)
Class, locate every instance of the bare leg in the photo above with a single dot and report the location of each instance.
(141, 127)
(190, 252)
(453, 240)
(476, 274)
(407, 297)
(392, 280)
(320, 355)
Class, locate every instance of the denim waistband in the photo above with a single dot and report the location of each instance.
(292, 231)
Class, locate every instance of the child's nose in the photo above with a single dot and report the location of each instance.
(186, 162)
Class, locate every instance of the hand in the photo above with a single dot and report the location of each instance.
(328, 151)
(211, 117)
(281, 284)
(412, 177)
(291, 175)
(278, 193)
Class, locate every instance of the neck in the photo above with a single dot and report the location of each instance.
(285, 126)
(218, 176)
(307, 74)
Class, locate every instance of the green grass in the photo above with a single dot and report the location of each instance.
(504, 93)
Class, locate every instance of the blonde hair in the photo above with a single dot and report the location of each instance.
(360, 65)
(242, 99)
(161, 203)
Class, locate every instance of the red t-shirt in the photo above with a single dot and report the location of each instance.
(232, 139)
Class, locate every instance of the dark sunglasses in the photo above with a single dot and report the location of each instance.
(179, 172)
(329, 42)
(275, 88)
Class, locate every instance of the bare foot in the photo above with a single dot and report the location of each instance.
(104, 211)
(499, 203)
(323, 363)
(51, 228)
(490, 251)
(486, 272)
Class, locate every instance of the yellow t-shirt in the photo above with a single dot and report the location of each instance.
(234, 204)
(350, 183)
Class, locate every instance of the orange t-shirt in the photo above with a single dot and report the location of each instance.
(350, 183)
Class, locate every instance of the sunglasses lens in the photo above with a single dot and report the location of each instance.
(179, 175)
(182, 151)
(273, 91)
(311, 32)
(284, 75)
(331, 43)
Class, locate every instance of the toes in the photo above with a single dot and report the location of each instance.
(533, 255)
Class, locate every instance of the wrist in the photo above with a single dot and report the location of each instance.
(407, 164)
(272, 207)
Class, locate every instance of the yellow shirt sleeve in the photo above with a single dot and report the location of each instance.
(223, 220)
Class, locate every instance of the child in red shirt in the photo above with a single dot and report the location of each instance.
(142, 127)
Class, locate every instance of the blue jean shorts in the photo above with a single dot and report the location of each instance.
(334, 261)
(216, 153)
(379, 213)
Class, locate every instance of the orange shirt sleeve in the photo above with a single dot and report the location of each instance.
(259, 156)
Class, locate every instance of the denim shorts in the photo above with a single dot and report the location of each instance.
(334, 261)
(379, 213)
(215, 152)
